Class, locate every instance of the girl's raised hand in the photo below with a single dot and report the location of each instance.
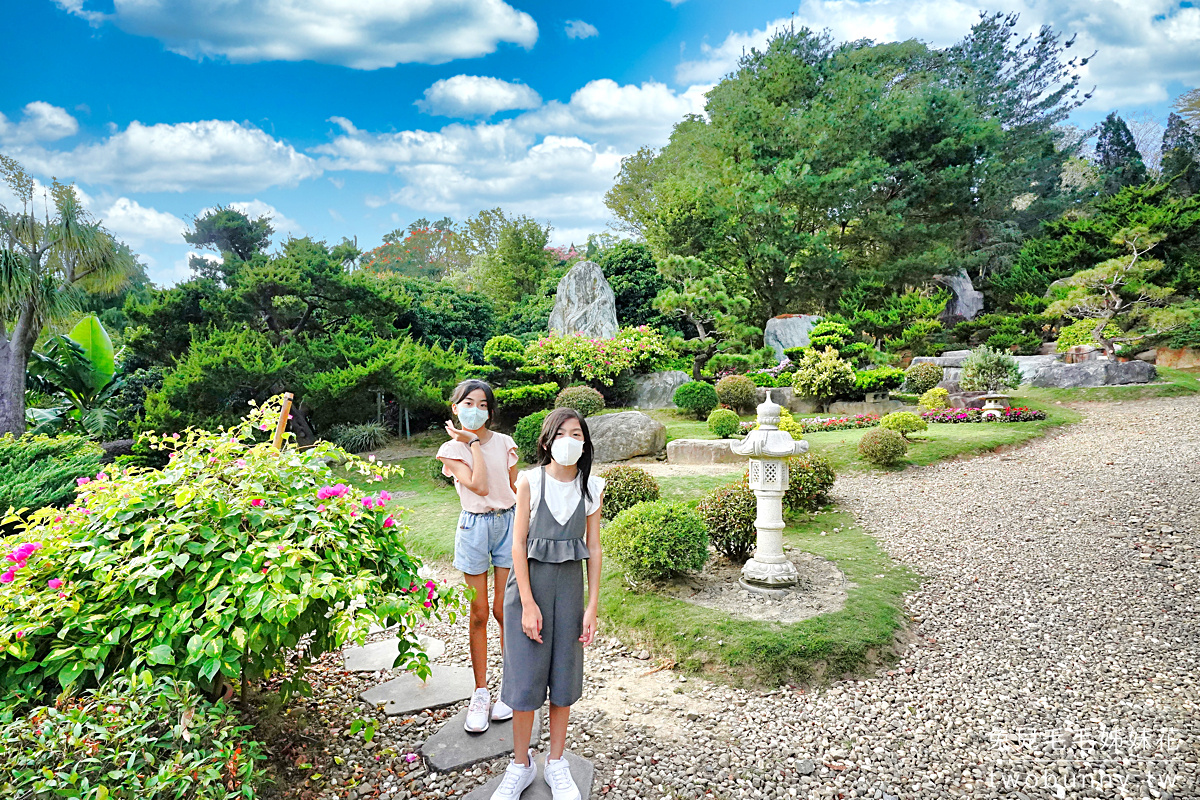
(589, 627)
(457, 435)
(531, 622)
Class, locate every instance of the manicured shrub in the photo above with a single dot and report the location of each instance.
(934, 399)
(737, 392)
(903, 423)
(883, 379)
(989, 370)
(526, 435)
(763, 379)
(584, 399)
(575, 357)
(729, 514)
(1080, 332)
(724, 423)
(839, 336)
(921, 377)
(655, 541)
(823, 376)
(505, 352)
(436, 472)
(361, 437)
(698, 397)
(625, 487)
(882, 447)
(139, 737)
(514, 402)
(37, 471)
(810, 477)
(730, 362)
(218, 565)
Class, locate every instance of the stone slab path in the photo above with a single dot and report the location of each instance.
(581, 771)
(382, 654)
(408, 693)
(452, 748)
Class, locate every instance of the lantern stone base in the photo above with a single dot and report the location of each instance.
(779, 592)
(769, 575)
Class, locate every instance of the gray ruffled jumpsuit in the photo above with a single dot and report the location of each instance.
(556, 553)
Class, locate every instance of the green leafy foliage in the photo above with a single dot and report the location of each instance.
(696, 396)
(729, 513)
(737, 391)
(724, 423)
(79, 369)
(632, 272)
(514, 402)
(1021, 333)
(625, 487)
(882, 379)
(361, 437)
(438, 473)
(505, 352)
(1080, 332)
(922, 376)
(903, 423)
(526, 435)
(989, 370)
(934, 399)
(217, 565)
(128, 402)
(576, 358)
(37, 471)
(584, 399)
(657, 540)
(823, 376)
(810, 477)
(882, 447)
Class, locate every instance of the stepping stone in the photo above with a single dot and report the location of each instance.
(452, 748)
(381, 655)
(407, 693)
(581, 771)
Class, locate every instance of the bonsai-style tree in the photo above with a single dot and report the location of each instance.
(1120, 289)
(698, 293)
(988, 370)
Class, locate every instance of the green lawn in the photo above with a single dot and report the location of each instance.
(1171, 383)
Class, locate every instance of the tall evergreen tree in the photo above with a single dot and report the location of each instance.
(1117, 155)
(1181, 157)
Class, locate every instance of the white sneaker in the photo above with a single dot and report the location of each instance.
(516, 780)
(477, 712)
(558, 777)
(501, 711)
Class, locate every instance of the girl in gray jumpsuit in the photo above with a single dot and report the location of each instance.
(546, 620)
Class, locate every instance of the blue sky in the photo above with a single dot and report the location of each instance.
(354, 117)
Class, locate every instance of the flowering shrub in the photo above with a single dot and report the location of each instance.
(797, 428)
(903, 423)
(216, 565)
(696, 396)
(737, 392)
(723, 423)
(729, 513)
(584, 399)
(823, 376)
(934, 399)
(881, 447)
(136, 736)
(1011, 414)
(625, 487)
(575, 357)
(922, 376)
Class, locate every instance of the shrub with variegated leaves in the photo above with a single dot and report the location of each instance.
(219, 564)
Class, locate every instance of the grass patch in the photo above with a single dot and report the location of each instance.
(768, 654)
(1171, 383)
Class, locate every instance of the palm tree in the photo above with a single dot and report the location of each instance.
(47, 265)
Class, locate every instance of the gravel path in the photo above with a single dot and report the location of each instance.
(1056, 647)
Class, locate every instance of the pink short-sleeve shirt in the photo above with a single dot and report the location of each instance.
(499, 454)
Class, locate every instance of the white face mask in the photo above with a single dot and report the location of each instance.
(566, 451)
(472, 418)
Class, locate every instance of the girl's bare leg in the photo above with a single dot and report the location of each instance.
(522, 731)
(559, 715)
(478, 627)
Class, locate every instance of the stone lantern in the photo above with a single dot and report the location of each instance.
(768, 449)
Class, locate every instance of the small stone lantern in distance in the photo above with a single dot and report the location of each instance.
(768, 449)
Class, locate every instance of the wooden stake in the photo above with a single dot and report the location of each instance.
(283, 420)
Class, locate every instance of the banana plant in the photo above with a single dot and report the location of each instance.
(79, 368)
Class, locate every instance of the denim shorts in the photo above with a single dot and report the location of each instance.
(484, 540)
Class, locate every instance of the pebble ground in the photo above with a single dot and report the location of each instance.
(1055, 654)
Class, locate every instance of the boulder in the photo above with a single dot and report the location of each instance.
(1030, 365)
(657, 389)
(585, 303)
(1149, 356)
(787, 331)
(702, 451)
(965, 300)
(967, 400)
(1179, 358)
(625, 435)
(1101, 372)
(115, 449)
(786, 396)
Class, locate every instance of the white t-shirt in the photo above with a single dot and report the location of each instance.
(561, 498)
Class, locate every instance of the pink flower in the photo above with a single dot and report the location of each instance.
(256, 502)
(411, 757)
(174, 435)
(101, 476)
(264, 570)
(384, 496)
(82, 481)
(353, 514)
(367, 503)
(321, 507)
(60, 594)
(428, 604)
(389, 522)
(55, 583)
(8, 576)
(378, 478)
(20, 634)
(241, 463)
(58, 519)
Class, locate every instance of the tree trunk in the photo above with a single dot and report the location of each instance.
(14, 359)
(1098, 335)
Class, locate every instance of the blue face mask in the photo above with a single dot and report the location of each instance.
(472, 418)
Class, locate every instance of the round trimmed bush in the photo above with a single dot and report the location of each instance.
(903, 423)
(922, 376)
(882, 447)
(810, 477)
(435, 472)
(698, 397)
(989, 370)
(526, 435)
(625, 487)
(823, 375)
(655, 541)
(584, 399)
(935, 399)
(505, 352)
(729, 514)
(724, 423)
(737, 391)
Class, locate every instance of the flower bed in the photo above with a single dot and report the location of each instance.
(818, 424)
(956, 415)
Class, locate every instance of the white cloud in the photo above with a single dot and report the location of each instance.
(40, 122)
(1141, 47)
(578, 29)
(216, 155)
(476, 96)
(284, 226)
(364, 34)
(136, 224)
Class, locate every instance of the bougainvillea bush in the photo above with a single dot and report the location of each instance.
(220, 562)
(574, 357)
(1011, 414)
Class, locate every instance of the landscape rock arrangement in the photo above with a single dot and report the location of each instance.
(657, 389)
(787, 331)
(1047, 371)
(585, 303)
(625, 435)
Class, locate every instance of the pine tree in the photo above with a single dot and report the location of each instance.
(1117, 156)
(1181, 157)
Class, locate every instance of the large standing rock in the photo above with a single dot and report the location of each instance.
(585, 303)
(1101, 372)
(657, 389)
(787, 331)
(965, 300)
(626, 434)
(786, 396)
